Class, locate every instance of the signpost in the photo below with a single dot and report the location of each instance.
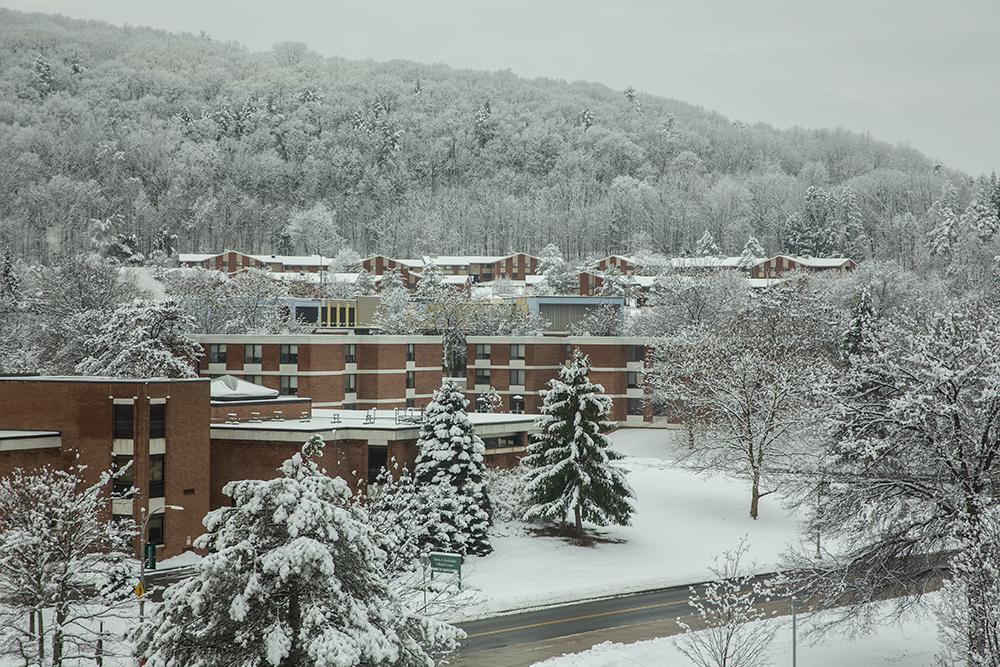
(444, 562)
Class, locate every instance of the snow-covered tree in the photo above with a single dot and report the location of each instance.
(489, 401)
(64, 566)
(346, 260)
(601, 321)
(142, 339)
(706, 246)
(365, 284)
(862, 319)
(633, 98)
(11, 295)
(914, 461)
(431, 288)
(395, 313)
(748, 394)
(981, 218)
(253, 303)
(614, 283)
(559, 275)
(570, 461)
(451, 453)
(293, 578)
(729, 609)
(752, 253)
(702, 300)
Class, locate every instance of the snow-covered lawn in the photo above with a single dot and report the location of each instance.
(912, 643)
(683, 520)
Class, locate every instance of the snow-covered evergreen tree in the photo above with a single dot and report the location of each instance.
(391, 280)
(395, 313)
(64, 566)
(862, 319)
(559, 276)
(980, 218)
(365, 284)
(142, 339)
(489, 401)
(431, 288)
(11, 296)
(706, 246)
(752, 253)
(451, 453)
(293, 578)
(615, 284)
(570, 470)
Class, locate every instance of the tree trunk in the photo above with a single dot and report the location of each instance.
(41, 638)
(754, 497)
(579, 519)
(295, 658)
(57, 637)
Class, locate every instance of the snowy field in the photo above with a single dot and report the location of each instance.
(683, 520)
(912, 643)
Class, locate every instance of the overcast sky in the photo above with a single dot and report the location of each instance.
(923, 72)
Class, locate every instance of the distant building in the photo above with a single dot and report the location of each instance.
(777, 266)
(627, 266)
(562, 311)
(481, 268)
(232, 261)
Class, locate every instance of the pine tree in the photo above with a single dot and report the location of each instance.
(489, 401)
(431, 288)
(10, 286)
(585, 119)
(569, 463)
(365, 284)
(293, 578)
(706, 246)
(854, 340)
(559, 278)
(451, 454)
(615, 284)
(752, 253)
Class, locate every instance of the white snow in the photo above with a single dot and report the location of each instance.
(682, 522)
(912, 643)
(185, 559)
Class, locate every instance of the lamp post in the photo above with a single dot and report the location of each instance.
(142, 550)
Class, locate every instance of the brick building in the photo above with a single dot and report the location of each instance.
(519, 367)
(334, 370)
(776, 266)
(480, 268)
(160, 426)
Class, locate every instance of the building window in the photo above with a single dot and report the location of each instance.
(504, 442)
(517, 376)
(289, 354)
(636, 407)
(517, 405)
(154, 529)
(216, 354)
(351, 315)
(342, 315)
(351, 354)
(636, 353)
(482, 351)
(253, 353)
(411, 380)
(289, 385)
(411, 352)
(517, 351)
(156, 476)
(411, 402)
(351, 384)
(158, 420)
(253, 379)
(123, 481)
(124, 417)
(482, 376)
(632, 380)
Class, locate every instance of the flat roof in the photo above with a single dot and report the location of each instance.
(562, 340)
(313, 338)
(352, 425)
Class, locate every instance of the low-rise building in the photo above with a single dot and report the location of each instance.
(233, 261)
(335, 370)
(520, 367)
(777, 266)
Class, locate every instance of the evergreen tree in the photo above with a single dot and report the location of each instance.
(431, 288)
(752, 253)
(451, 454)
(854, 340)
(559, 277)
(293, 579)
(489, 401)
(365, 284)
(615, 284)
(10, 286)
(586, 119)
(706, 246)
(569, 463)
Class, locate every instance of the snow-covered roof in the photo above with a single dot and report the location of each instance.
(762, 283)
(195, 256)
(704, 262)
(295, 260)
(821, 262)
(316, 276)
(10, 434)
(229, 388)
(355, 424)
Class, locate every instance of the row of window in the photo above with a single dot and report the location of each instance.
(483, 351)
(123, 417)
(126, 479)
(633, 379)
(634, 406)
(253, 353)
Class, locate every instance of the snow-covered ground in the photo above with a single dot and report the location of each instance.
(912, 643)
(682, 521)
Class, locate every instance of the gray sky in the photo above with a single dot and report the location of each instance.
(923, 72)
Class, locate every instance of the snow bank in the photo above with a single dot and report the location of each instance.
(912, 643)
(682, 522)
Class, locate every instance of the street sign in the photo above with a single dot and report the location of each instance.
(150, 556)
(441, 561)
(139, 590)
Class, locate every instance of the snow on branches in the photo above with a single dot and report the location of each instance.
(569, 462)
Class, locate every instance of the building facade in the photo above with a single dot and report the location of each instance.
(777, 266)
(159, 427)
(334, 370)
(520, 367)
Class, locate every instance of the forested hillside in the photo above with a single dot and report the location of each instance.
(122, 131)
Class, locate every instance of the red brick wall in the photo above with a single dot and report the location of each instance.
(289, 409)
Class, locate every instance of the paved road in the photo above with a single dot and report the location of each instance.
(157, 580)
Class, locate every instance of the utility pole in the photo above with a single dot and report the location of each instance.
(794, 632)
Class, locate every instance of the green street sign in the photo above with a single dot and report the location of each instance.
(445, 562)
(150, 556)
